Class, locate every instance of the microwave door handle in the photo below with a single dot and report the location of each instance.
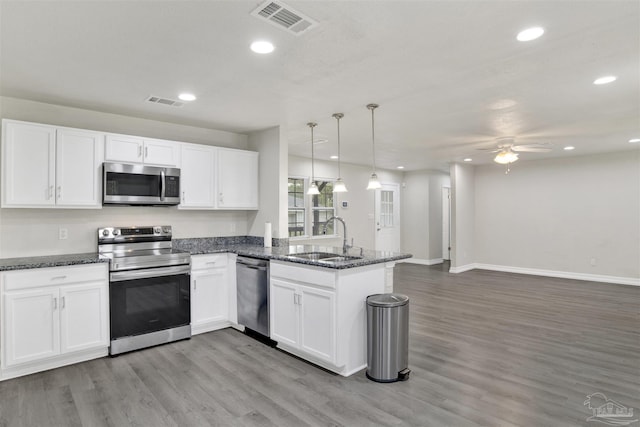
(162, 184)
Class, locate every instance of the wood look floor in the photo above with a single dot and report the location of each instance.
(486, 348)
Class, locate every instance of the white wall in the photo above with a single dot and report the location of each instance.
(422, 215)
(561, 215)
(463, 201)
(31, 232)
(273, 150)
(359, 216)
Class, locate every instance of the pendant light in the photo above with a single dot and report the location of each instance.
(339, 186)
(313, 188)
(374, 183)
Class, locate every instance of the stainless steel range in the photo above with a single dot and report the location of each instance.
(149, 287)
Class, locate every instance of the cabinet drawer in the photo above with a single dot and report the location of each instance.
(307, 274)
(201, 262)
(24, 279)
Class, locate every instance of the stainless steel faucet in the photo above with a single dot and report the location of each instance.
(345, 243)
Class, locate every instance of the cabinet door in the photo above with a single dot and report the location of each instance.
(78, 167)
(317, 323)
(283, 312)
(84, 317)
(123, 148)
(237, 179)
(197, 177)
(28, 158)
(161, 153)
(209, 296)
(31, 329)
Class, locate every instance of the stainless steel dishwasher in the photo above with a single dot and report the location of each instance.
(253, 294)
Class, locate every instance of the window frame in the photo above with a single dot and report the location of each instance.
(309, 209)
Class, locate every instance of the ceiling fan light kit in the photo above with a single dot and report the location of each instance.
(505, 157)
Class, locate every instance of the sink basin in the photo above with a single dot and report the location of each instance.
(324, 257)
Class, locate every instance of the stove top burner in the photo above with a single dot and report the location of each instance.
(131, 248)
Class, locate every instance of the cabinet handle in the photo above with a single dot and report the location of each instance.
(55, 303)
(59, 192)
(58, 277)
(295, 299)
(221, 198)
(146, 152)
(63, 304)
(139, 150)
(183, 196)
(50, 191)
(210, 263)
(195, 284)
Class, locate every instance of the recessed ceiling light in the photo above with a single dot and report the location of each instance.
(262, 46)
(399, 167)
(187, 97)
(569, 148)
(468, 159)
(333, 157)
(604, 80)
(634, 140)
(530, 34)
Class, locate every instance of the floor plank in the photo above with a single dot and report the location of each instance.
(486, 349)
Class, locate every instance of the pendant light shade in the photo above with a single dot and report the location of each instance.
(313, 188)
(374, 183)
(339, 186)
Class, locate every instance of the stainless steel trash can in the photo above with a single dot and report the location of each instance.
(388, 337)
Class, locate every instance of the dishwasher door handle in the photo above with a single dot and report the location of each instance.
(253, 267)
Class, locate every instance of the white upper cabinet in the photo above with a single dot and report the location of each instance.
(78, 168)
(47, 166)
(237, 174)
(135, 149)
(197, 177)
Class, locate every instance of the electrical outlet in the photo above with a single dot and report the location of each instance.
(63, 234)
(593, 262)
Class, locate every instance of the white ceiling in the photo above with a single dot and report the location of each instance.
(449, 76)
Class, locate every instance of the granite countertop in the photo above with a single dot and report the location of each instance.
(284, 253)
(25, 263)
(199, 246)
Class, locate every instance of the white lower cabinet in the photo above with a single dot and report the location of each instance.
(319, 314)
(209, 292)
(304, 317)
(53, 317)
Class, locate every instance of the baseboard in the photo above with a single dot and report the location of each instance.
(561, 274)
(422, 261)
(463, 268)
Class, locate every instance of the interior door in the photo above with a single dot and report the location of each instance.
(387, 218)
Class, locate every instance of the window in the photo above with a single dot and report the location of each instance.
(296, 207)
(308, 214)
(386, 208)
(322, 208)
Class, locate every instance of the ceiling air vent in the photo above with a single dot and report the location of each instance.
(284, 17)
(165, 101)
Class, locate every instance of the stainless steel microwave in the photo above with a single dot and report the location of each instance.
(126, 184)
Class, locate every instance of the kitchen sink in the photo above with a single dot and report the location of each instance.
(324, 257)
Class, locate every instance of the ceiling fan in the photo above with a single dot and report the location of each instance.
(508, 151)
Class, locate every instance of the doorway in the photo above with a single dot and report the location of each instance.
(446, 223)
(387, 218)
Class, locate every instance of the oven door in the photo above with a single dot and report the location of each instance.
(149, 300)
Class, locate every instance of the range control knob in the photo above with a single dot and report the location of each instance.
(105, 233)
(166, 229)
(116, 232)
(157, 230)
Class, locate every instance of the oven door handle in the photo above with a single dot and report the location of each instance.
(120, 276)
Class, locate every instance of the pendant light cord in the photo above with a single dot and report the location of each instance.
(372, 107)
(338, 116)
(313, 174)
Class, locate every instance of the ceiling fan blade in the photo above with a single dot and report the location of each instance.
(490, 150)
(531, 148)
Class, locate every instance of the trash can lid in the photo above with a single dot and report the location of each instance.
(387, 300)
